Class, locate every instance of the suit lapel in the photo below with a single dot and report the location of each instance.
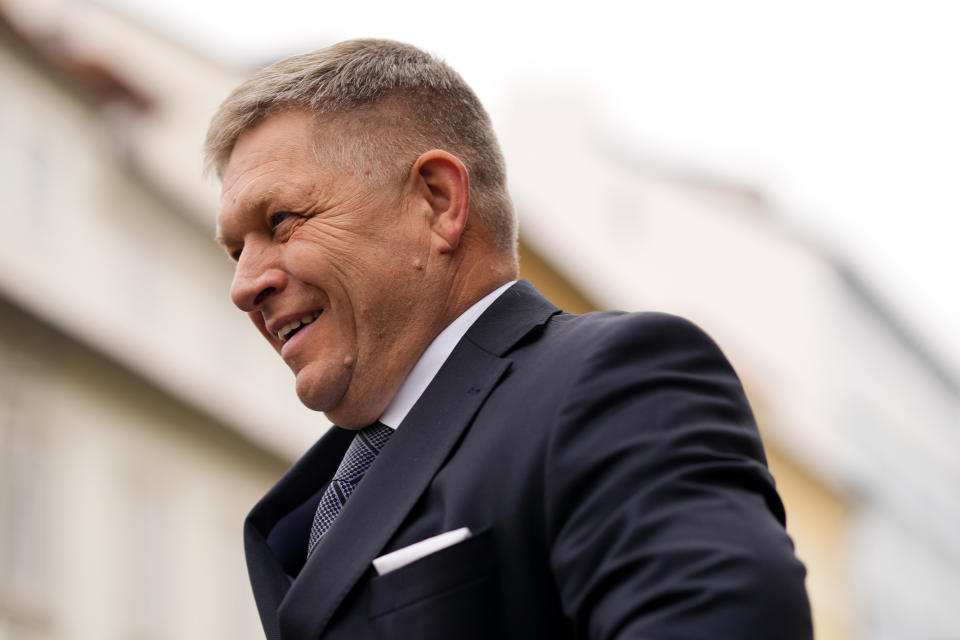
(296, 487)
(269, 582)
(406, 466)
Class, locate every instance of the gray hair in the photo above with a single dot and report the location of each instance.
(390, 102)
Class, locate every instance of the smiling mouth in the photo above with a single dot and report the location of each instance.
(288, 330)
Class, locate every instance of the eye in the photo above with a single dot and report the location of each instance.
(277, 219)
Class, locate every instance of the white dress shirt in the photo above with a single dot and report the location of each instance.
(433, 358)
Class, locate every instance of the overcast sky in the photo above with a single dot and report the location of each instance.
(845, 114)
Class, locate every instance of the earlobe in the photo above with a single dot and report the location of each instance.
(445, 185)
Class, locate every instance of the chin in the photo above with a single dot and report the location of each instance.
(320, 393)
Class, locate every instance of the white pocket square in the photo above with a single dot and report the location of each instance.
(402, 557)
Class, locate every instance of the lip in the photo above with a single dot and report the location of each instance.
(277, 323)
(291, 344)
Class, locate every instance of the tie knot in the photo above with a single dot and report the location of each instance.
(376, 434)
(363, 449)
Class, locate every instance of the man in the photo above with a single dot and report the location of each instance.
(604, 470)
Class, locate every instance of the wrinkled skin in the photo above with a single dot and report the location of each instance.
(308, 238)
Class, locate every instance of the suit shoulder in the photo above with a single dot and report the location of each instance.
(649, 320)
(652, 328)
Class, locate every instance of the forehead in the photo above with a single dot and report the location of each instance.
(280, 142)
(273, 160)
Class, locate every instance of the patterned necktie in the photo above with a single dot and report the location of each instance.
(360, 455)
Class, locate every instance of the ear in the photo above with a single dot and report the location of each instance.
(445, 186)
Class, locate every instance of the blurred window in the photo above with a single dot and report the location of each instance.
(24, 501)
(150, 563)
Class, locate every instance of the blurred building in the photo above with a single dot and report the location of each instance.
(140, 417)
(860, 420)
(136, 426)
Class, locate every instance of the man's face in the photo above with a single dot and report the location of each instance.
(329, 268)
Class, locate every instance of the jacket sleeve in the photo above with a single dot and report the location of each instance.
(663, 519)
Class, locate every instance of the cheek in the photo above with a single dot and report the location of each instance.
(336, 234)
(315, 260)
(389, 306)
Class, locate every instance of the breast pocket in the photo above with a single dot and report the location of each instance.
(447, 594)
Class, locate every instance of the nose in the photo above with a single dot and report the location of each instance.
(255, 280)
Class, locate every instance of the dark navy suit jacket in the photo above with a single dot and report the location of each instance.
(608, 466)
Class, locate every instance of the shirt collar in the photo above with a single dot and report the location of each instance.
(433, 358)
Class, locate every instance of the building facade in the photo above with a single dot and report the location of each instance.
(861, 421)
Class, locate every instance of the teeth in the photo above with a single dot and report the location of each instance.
(287, 328)
(295, 324)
